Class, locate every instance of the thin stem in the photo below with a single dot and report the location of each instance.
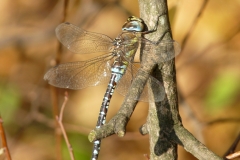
(232, 148)
(4, 140)
(59, 120)
(234, 155)
(54, 96)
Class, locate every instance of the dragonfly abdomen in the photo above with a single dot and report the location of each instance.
(103, 113)
(119, 68)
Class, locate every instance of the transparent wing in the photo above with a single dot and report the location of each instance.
(78, 40)
(81, 74)
(164, 51)
(125, 83)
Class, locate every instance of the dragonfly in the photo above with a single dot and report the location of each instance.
(114, 66)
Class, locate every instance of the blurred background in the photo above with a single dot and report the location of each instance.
(208, 76)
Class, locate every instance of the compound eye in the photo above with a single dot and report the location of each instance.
(133, 26)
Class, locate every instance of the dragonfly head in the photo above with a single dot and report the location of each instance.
(133, 24)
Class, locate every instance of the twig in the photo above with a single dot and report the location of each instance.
(4, 140)
(63, 106)
(232, 148)
(234, 155)
(54, 96)
(59, 120)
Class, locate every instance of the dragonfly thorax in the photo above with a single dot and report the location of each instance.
(125, 44)
(133, 24)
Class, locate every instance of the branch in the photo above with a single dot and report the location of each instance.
(183, 137)
(164, 122)
(160, 116)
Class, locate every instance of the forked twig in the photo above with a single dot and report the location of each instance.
(4, 140)
(59, 120)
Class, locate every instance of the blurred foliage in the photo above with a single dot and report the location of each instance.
(10, 99)
(81, 147)
(222, 92)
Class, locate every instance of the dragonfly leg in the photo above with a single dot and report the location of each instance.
(156, 25)
(155, 29)
(161, 37)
